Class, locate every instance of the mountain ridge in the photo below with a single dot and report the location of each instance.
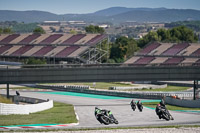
(114, 15)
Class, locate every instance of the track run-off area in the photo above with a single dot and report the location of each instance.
(85, 104)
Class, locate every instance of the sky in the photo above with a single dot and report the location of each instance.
(90, 6)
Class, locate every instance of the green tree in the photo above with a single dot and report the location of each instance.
(163, 35)
(7, 30)
(123, 48)
(176, 34)
(94, 29)
(182, 34)
(73, 32)
(1, 30)
(32, 60)
(150, 37)
(39, 30)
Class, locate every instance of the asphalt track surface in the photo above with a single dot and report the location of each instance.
(120, 107)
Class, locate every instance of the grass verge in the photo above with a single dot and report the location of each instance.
(60, 114)
(100, 85)
(5, 100)
(169, 107)
(106, 85)
(169, 88)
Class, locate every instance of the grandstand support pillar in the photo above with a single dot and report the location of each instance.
(8, 91)
(195, 88)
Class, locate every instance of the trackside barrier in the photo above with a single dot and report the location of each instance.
(183, 102)
(102, 92)
(7, 109)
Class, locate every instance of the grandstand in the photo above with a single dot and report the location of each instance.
(80, 48)
(167, 54)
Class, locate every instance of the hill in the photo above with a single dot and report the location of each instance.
(114, 14)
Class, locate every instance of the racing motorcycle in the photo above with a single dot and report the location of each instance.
(104, 116)
(133, 106)
(139, 106)
(164, 114)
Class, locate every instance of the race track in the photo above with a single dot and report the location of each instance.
(120, 107)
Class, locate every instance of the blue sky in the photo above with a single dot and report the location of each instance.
(89, 6)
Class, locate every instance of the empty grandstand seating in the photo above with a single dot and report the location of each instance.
(190, 60)
(12, 49)
(144, 60)
(29, 38)
(74, 39)
(9, 38)
(22, 50)
(55, 51)
(196, 53)
(80, 50)
(163, 47)
(62, 39)
(149, 48)
(67, 51)
(175, 49)
(173, 61)
(18, 39)
(132, 59)
(85, 39)
(43, 51)
(4, 48)
(2, 36)
(96, 39)
(159, 60)
(51, 39)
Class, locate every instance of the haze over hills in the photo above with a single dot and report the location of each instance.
(114, 14)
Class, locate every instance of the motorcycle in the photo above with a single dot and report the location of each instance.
(140, 107)
(164, 113)
(133, 106)
(106, 118)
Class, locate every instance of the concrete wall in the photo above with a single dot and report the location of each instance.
(17, 99)
(98, 74)
(183, 102)
(7, 109)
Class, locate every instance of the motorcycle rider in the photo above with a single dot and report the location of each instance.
(161, 106)
(139, 105)
(158, 111)
(133, 104)
(105, 112)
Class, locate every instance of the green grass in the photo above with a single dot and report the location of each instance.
(170, 88)
(100, 85)
(106, 85)
(60, 114)
(169, 107)
(5, 100)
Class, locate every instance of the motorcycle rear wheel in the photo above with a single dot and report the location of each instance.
(105, 120)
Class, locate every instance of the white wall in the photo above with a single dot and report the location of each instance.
(183, 102)
(7, 109)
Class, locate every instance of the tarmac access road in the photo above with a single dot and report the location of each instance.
(120, 107)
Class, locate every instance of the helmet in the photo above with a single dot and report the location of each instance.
(162, 102)
(96, 108)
